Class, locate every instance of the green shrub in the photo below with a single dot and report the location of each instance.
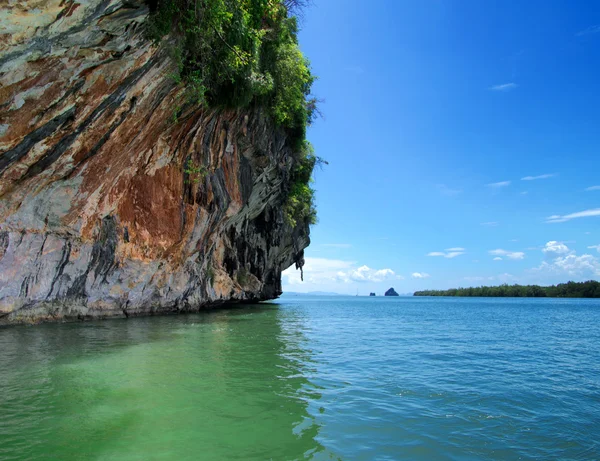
(195, 172)
(300, 205)
(237, 53)
(234, 53)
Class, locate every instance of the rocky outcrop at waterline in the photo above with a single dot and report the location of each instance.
(100, 212)
(391, 292)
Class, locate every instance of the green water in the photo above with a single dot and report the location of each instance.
(310, 378)
(227, 385)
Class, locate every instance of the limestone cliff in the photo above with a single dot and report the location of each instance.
(99, 216)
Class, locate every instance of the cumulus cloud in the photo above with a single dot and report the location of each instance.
(497, 258)
(366, 274)
(496, 185)
(419, 275)
(572, 265)
(562, 262)
(322, 271)
(591, 188)
(556, 247)
(568, 217)
(448, 252)
(507, 254)
(504, 87)
(542, 176)
(317, 271)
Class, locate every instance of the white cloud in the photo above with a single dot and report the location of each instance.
(448, 253)
(572, 265)
(323, 271)
(591, 188)
(564, 264)
(497, 258)
(336, 245)
(556, 247)
(568, 217)
(542, 176)
(366, 274)
(419, 275)
(317, 271)
(508, 254)
(525, 192)
(489, 224)
(504, 87)
(589, 31)
(496, 185)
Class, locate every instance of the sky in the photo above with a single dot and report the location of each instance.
(462, 139)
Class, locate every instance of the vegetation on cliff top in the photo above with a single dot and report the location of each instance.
(240, 53)
(589, 289)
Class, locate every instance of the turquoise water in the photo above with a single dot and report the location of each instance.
(310, 378)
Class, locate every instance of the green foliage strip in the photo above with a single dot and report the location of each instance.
(237, 53)
(589, 289)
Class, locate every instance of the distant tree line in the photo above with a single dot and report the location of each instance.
(589, 289)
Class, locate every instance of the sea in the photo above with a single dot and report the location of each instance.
(306, 377)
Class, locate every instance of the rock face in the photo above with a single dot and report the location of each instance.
(391, 292)
(98, 217)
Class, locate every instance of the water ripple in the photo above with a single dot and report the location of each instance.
(332, 378)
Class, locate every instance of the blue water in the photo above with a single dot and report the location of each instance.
(349, 378)
(445, 378)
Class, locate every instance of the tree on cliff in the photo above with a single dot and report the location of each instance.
(231, 53)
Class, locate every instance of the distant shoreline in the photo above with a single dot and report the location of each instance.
(589, 289)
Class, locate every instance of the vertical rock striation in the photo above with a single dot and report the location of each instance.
(99, 216)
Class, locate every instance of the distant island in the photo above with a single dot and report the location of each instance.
(371, 294)
(391, 292)
(589, 289)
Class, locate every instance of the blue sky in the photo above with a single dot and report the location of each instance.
(454, 131)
